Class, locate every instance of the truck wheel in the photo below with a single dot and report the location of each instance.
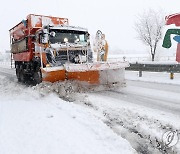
(37, 77)
(21, 76)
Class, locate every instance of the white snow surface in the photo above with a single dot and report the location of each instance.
(33, 122)
(155, 77)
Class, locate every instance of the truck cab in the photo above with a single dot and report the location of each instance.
(63, 44)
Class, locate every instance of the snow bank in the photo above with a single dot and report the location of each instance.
(156, 77)
(41, 123)
(159, 62)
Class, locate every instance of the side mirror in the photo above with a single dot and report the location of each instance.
(65, 40)
(87, 36)
(45, 36)
(45, 39)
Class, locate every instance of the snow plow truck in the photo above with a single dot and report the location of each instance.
(46, 48)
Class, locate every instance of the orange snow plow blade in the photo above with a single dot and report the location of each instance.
(92, 73)
(91, 77)
(53, 75)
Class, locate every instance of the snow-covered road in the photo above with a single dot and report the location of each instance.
(141, 112)
(152, 95)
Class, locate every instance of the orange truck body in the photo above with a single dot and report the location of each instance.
(29, 27)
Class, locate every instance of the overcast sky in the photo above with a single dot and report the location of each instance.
(114, 17)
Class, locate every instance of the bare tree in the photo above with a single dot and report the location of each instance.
(149, 28)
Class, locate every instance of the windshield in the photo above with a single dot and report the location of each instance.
(70, 36)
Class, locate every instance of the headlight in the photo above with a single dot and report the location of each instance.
(65, 40)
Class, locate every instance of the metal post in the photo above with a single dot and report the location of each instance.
(68, 55)
(171, 76)
(140, 73)
(11, 59)
(41, 56)
(11, 48)
(87, 54)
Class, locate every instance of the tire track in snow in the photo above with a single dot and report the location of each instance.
(152, 85)
(147, 101)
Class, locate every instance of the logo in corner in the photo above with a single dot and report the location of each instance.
(170, 138)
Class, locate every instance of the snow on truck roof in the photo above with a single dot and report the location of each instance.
(70, 28)
(39, 21)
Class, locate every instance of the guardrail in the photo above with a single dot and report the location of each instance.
(169, 68)
(132, 58)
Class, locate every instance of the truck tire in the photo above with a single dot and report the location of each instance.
(21, 75)
(37, 77)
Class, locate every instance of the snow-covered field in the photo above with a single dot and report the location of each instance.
(42, 119)
(140, 57)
